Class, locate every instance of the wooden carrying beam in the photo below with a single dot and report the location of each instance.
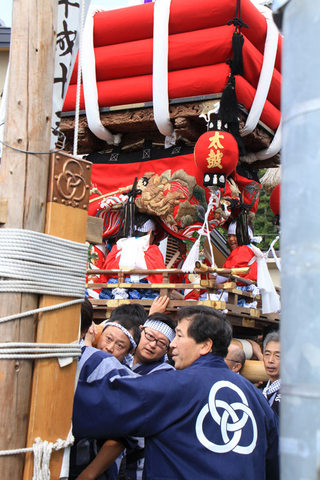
(127, 271)
(53, 386)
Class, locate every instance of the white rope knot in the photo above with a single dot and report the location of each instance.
(42, 451)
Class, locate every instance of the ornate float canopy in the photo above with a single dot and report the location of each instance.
(161, 74)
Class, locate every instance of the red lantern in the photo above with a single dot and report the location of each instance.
(216, 152)
(275, 200)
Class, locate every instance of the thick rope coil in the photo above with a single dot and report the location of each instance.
(32, 262)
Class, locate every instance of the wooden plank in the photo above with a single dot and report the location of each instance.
(146, 286)
(23, 183)
(94, 229)
(53, 387)
(136, 271)
(248, 322)
(3, 210)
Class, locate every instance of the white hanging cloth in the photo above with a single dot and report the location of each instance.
(160, 94)
(90, 83)
(270, 298)
(269, 58)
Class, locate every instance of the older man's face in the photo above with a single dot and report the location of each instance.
(271, 360)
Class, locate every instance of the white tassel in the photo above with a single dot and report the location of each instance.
(193, 256)
(271, 179)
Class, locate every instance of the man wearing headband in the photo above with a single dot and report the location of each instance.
(116, 340)
(241, 254)
(156, 335)
(150, 356)
(200, 421)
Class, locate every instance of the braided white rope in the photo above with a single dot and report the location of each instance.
(42, 269)
(49, 308)
(20, 350)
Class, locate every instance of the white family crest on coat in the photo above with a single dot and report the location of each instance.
(234, 428)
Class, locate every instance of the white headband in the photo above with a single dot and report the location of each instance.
(161, 327)
(125, 331)
(146, 227)
(232, 229)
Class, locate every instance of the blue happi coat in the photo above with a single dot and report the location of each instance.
(204, 422)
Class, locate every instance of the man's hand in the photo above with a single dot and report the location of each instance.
(256, 350)
(159, 304)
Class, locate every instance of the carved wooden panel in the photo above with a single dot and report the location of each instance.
(69, 180)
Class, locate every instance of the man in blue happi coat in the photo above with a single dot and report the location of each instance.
(202, 421)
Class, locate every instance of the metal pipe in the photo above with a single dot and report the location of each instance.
(300, 242)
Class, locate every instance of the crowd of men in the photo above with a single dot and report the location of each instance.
(171, 403)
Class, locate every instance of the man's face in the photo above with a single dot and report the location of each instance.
(184, 349)
(114, 341)
(232, 242)
(271, 359)
(152, 346)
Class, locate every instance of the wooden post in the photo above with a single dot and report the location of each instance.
(53, 386)
(23, 184)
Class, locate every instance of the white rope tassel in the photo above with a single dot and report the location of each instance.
(271, 179)
(42, 454)
(190, 262)
(42, 451)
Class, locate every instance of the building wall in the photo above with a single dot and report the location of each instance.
(4, 58)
